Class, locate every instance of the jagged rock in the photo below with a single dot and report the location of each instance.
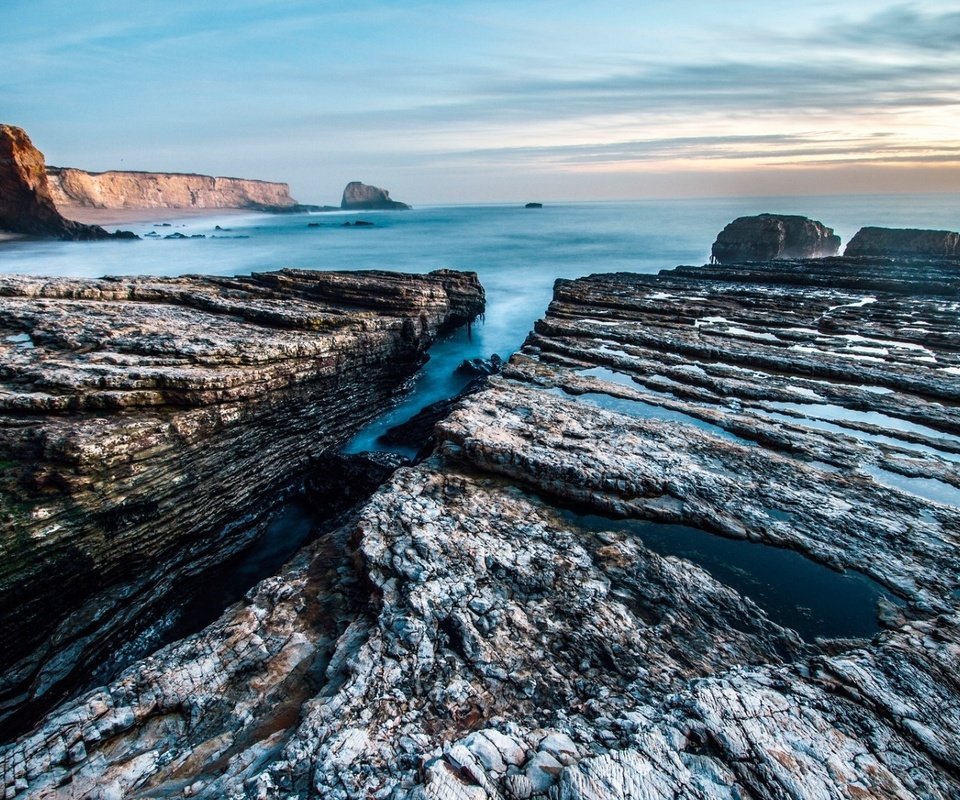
(481, 366)
(904, 243)
(534, 205)
(26, 202)
(359, 196)
(771, 236)
(143, 422)
(495, 622)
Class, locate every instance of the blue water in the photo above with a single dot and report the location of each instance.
(517, 252)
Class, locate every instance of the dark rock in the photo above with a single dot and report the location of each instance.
(176, 235)
(313, 224)
(772, 236)
(481, 366)
(336, 482)
(534, 205)
(360, 223)
(359, 196)
(147, 420)
(26, 204)
(904, 243)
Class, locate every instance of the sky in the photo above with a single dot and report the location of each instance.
(462, 101)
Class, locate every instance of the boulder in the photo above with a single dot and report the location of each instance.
(904, 243)
(770, 236)
(360, 196)
(534, 205)
(26, 203)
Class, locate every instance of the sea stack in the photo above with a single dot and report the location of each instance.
(26, 204)
(904, 243)
(358, 196)
(766, 237)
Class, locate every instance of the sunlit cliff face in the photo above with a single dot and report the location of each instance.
(489, 101)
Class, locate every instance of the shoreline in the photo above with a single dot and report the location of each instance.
(128, 216)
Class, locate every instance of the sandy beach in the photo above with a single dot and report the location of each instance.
(128, 216)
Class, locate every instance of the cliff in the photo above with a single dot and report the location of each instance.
(116, 189)
(771, 236)
(699, 540)
(904, 243)
(146, 425)
(359, 196)
(27, 203)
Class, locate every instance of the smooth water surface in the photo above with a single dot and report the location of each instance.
(794, 591)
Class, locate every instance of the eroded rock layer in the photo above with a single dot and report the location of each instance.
(145, 424)
(515, 618)
(73, 188)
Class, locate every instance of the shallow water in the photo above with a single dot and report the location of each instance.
(795, 592)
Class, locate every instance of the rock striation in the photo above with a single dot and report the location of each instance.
(147, 425)
(514, 617)
(904, 243)
(771, 236)
(76, 188)
(27, 204)
(359, 196)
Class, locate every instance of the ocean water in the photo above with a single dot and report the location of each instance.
(517, 252)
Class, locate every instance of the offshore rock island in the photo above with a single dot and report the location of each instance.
(534, 609)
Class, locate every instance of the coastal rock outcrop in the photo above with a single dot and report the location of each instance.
(26, 199)
(904, 243)
(359, 196)
(147, 426)
(76, 188)
(582, 593)
(765, 237)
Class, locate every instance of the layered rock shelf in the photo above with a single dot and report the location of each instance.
(514, 617)
(146, 426)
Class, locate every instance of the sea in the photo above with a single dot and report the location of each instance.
(518, 254)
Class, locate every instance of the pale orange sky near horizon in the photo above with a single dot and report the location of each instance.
(481, 102)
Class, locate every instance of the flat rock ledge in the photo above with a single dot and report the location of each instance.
(498, 621)
(147, 426)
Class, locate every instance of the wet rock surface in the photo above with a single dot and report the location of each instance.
(466, 635)
(770, 236)
(904, 242)
(147, 426)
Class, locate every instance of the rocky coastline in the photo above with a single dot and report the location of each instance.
(148, 425)
(513, 617)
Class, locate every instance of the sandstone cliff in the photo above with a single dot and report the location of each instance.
(27, 204)
(533, 610)
(770, 236)
(146, 424)
(904, 243)
(117, 189)
(361, 197)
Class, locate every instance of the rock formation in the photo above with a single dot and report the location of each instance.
(359, 196)
(566, 600)
(73, 188)
(146, 425)
(771, 236)
(26, 202)
(904, 243)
